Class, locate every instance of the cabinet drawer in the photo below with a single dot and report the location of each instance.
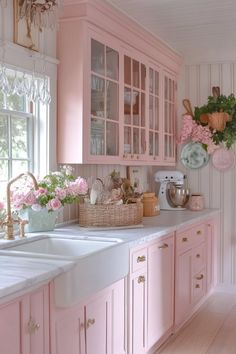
(199, 233)
(139, 259)
(199, 258)
(184, 240)
(198, 286)
(193, 236)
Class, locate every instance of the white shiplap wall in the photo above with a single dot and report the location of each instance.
(219, 188)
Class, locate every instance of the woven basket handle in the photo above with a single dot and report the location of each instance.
(188, 107)
(216, 91)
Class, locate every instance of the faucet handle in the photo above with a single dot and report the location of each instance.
(22, 224)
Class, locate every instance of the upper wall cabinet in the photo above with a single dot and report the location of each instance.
(116, 105)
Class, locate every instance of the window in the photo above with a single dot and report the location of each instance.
(19, 131)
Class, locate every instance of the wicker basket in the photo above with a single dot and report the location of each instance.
(110, 215)
(217, 120)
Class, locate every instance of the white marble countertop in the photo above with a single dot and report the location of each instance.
(19, 274)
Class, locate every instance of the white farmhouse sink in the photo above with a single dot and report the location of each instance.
(68, 248)
(98, 262)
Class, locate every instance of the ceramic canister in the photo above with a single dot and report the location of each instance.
(196, 202)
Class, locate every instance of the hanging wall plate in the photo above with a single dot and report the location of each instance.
(223, 159)
(193, 155)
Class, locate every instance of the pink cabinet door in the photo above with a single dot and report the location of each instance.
(38, 324)
(183, 285)
(210, 254)
(160, 289)
(68, 333)
(98, 325)
(169, 128)
(154, 118)
(138, 313)
(13, 330)
(24, 324)
(134, 108)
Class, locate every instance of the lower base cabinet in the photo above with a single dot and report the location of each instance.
(194, 268)
(95, 326)
(160, 294)
(24, 324)
(151, 294)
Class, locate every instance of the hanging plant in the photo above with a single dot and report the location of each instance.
(211, 124)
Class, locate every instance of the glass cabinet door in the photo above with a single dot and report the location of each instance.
(169, 118)
(104, 125)
(154, 114)
(134, 108)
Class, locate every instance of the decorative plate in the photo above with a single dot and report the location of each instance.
(223, 159)
(193, 155)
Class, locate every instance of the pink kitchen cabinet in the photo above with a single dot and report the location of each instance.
(24, 324)
(160, 292)
(137, 301)
(193, 269)
(95, 325)
(116, 89)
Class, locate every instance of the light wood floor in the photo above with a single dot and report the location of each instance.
(211, 331)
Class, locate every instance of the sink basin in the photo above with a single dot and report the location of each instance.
(67, 248)
(98, 263)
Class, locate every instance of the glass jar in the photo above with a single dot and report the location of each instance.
(196, 202)
(151, 205)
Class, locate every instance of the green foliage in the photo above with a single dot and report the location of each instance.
(220, 104)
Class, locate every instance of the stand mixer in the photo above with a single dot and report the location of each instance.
(172, 181)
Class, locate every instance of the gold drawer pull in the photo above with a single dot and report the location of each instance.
(90, 322)
(200, 277)
(165, 245)
(199, 232)
(141, 279)
(198, 255)
(197, 286)
(184, 239)
(141, 259)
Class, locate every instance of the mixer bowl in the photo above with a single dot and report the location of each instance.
(177, 196)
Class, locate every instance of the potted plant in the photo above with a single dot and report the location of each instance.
(40, 207)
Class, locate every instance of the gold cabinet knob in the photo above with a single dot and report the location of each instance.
(141, 259)
(198, 255)
(197, 286)
(165, 245)
(184, 239)
(199, 232)
(137, 157)
(200, 277)
(141, 279)
(90, 322)
(33, 326)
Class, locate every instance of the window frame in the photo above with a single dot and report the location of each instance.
(10, 114)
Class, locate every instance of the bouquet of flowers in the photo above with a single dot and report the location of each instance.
(54, 191)
(211, 124)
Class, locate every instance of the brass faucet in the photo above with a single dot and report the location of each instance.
(9, 220)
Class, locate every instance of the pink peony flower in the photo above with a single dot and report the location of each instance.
(41, 191)
(54, 204)
(1, 205)
(197, 133)
(30, 198)
(77, 187)
(60, 193)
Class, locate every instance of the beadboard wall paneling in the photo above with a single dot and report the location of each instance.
(217, 187)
